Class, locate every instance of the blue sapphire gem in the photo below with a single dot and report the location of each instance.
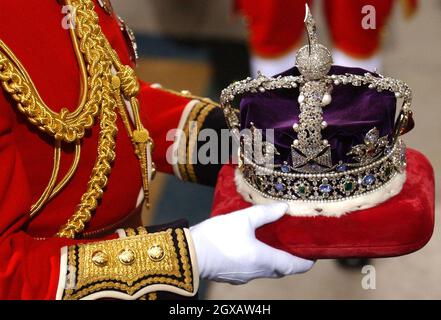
(342, 168)
(285, 168)
(325, 188)
(369, 180)
(279, 186)
(389, 150)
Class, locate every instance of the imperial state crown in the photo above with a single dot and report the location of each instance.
(324, 139)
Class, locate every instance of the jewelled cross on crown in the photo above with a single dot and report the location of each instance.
(310, 153)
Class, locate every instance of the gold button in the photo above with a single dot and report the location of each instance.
(116, 82)
(100, 259)
(126, 257)
(156, 253)
(141, 136)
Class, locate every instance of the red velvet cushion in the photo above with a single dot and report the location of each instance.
(399, 226)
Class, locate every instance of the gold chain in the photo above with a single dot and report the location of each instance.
(104, 91)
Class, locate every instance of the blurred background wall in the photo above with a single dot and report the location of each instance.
(201, 46)
(183, 18)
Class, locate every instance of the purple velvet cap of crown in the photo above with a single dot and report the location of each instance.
(353, 112)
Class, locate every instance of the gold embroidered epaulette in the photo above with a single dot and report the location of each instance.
(132, 267)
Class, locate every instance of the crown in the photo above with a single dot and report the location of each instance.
(314, 171)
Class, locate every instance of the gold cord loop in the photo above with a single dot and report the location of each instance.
(69, 173)
(52, 181)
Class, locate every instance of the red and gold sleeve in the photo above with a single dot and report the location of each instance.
(131, 264)
(137, 266)
(175, 121)
(128, 265)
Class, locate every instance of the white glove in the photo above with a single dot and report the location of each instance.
(227, 249)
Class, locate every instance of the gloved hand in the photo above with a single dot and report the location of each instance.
(228, 251)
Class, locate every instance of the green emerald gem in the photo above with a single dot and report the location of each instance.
(301, 189)
(388, 171)
(349, 186)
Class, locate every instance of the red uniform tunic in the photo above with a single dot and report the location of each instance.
(29, 267)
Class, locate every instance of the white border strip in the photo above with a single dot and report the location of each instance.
(63, 273)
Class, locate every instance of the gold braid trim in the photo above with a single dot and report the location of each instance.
(182, 245)
(130, 232)
(183, 156)
(192, 146)
(151, 296)
(92, 44)
(187, 148)
(187, 94)
(64, 125)
(106, 266)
